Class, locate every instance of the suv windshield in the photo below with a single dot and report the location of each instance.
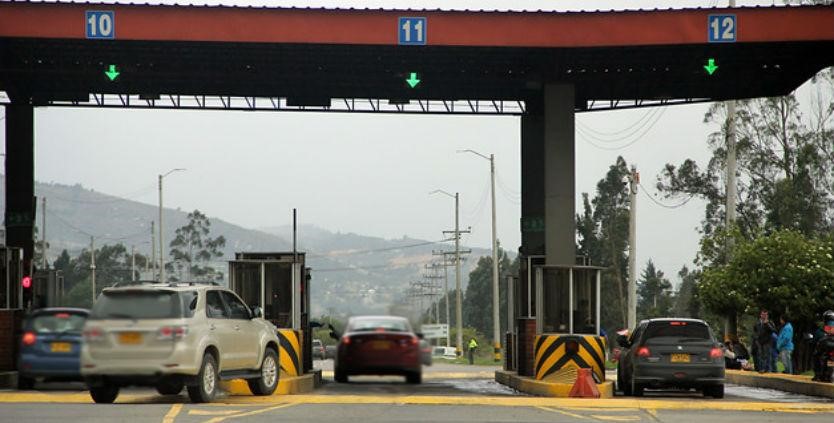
(680, 330)
(138, 304)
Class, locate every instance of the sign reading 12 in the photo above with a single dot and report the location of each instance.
(412, 31)
(722, 28)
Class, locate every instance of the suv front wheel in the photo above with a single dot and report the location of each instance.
(206, 387)
(104, 394)
(266, 384)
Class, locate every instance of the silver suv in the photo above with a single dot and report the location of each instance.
(176, 335)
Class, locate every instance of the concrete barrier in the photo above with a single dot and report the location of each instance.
(540, 388)
(789, 383)
(289, 385)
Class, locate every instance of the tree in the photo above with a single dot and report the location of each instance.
(192, 250)
(477, 301)
(602, 229)
(653, 293)
(113, 265)
(687, 303)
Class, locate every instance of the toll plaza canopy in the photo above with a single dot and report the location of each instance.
(54, 52)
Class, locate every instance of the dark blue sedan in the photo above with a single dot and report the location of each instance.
(51, 345)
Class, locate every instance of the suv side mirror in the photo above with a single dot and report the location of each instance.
(623, 341)
(257, 312)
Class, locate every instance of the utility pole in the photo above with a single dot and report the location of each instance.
(496, 324)
(93, 267)
(633, 181)
(161, 227)
(731, 192)
(43, 235)
(132, 263)
(153, 250)
(448, 262)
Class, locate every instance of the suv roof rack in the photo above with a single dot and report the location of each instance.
(131, 283)
(192, 283)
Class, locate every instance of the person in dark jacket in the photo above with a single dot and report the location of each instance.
(763, 332)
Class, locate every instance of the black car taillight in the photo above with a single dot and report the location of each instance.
(29, 339)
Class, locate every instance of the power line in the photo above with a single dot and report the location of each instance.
(126, 197)
(675, 206)
(616, 133)
(636, 139)
(350, 253)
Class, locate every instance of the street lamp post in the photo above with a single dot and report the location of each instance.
(161, 243)
(496, 327)
(458, 299)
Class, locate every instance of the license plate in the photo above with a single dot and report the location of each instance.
(680, 358)
(381, 345)
(60, 347)
(130, 338)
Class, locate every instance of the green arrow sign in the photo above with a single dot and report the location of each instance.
(112, 73)
(711, 66)
(413, 81)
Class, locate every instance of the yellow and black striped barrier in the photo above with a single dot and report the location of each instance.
(290, 355)
(558, 356)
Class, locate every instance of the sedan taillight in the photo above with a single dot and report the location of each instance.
(29, 339)
(643, 352)
(716, 353)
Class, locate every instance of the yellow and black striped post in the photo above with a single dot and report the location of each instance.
(290, 355)
(558, 356)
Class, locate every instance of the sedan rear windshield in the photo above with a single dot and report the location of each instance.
(678, 330)
(386, 325)
(138, 304)
(60, 322)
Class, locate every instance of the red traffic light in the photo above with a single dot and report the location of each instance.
(26, 283)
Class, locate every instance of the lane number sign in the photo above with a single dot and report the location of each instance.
(101, 24)
(722, 28)
(412, 31)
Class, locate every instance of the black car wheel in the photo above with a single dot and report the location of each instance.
(266, 384)
(715, 391)
(170, 386)
(636, 388)
(206, 387)
(414, 378)
(25, 383)
(625, 385)
(104, 394)
(340, 376)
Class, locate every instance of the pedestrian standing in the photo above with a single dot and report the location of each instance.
(763, 332)
(473, 345)
(785, 343)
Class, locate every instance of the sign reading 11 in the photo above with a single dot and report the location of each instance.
(412, 31)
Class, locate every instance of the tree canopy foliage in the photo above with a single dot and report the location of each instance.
(192, 250)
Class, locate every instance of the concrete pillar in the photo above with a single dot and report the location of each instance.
(559, 175)
(20, 179)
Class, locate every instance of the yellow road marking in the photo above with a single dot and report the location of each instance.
(172, 413)
(248, 413)
(212, 412)
(616, 418)
(652, 412)
(567, 413)
(598, 404)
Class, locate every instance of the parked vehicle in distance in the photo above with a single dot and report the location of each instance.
(318, 350)
(50, 348)
(330, 352)
(447, 353)
(673, 353)
(176, 335)
(425, 352)
(378, 345)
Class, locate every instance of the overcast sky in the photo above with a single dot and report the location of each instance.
(369, 174)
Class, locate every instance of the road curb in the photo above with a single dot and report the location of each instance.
(789, 383)
(290, 385)
(545, 389)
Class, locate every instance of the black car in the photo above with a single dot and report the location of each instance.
(671, 353)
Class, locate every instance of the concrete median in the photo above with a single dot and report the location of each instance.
(789, 383)
(540, 388)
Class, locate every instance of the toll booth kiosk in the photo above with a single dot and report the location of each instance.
(11, 305)
(557, 325)
(279, 283)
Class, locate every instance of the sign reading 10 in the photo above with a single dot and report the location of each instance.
(101, 24)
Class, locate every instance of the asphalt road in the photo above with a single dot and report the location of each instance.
(450, 393)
